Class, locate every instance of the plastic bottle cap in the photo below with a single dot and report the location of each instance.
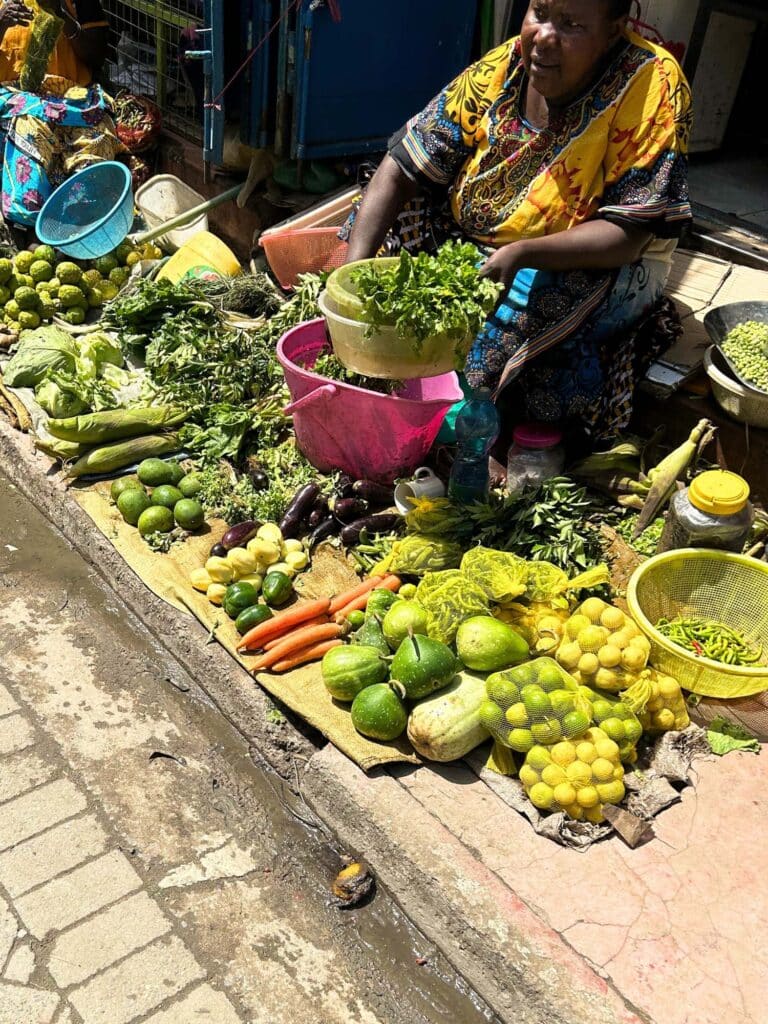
(536, 435)
(719, 492)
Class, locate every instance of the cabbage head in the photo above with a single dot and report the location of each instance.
(501, 575)
(40, 351)
(57, 401)
(100, 349)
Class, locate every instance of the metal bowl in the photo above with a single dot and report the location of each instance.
(721, 321)
(743, 404)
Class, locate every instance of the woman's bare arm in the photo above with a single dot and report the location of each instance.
(386, 195)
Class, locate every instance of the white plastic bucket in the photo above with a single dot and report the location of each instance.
(166, 196)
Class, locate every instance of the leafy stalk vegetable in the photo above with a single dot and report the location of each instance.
(327, 365)
(427, 295)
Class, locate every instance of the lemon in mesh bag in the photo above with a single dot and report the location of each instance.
(533, 704)
(617, 719)
(578, 776)
(603, 647)
(658, 702)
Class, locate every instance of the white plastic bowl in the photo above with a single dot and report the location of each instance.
(385, 354)
(165, 196)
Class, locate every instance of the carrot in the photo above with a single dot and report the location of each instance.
(312, 653)
(386, 583)
(319, 621)
(296, 641)
(341, 600)
(280, 624)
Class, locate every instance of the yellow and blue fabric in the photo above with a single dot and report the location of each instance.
(46, 138)
(618, 152)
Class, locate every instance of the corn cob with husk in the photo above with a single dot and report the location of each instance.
(43, 36)
(116, 456)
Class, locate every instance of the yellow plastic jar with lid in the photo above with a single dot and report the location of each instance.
(714, 512)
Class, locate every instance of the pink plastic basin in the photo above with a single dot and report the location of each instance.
(364, 434)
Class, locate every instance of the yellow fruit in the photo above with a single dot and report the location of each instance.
(579, 774)
(633, 659)
(587, 797)
(575, 625)
(654, 705)
(538, 758)
(132, 259)
(593, 608)
(541, 796)
(664, 719)
(620, 639)
(588, 664)
(602, 769)
(682, 720)
(564, 794)
(608, 749)
(219, 570)
(586, 752)
(200, 579)
(554, 775)
(667, 687)
(241, 561)
(631, 628)
(569, 654)
(607, 679)
(618, 773)
(215, 593)
(611, 792)
(563, 754)
(108, 290)
(609, 656)
(528, 776)
(613, 619)
(592, 638)
(520, 740)
(24, 261)
(574, 811)
(517, 716)
(594, 815)
(547, 732)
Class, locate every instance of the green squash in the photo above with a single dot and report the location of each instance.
(348, 670)
(423, 665)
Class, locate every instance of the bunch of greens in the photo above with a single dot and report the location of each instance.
(327, 365)
(144, 305)
(424, 296)
(648, 541)
(252, 295)
(237, 499)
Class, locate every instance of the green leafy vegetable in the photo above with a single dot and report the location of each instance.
(327, 365)
(142, 306)
(724, 737)
(424, 296)
(58, 401)
(40, 351)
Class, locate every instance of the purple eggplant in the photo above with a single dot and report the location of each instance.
(344, 485)
(317, 516)
(298, 510)
(375, 494)
(239, 535)
(347, 510)
(218, 551)
(385, 523)
(327, 528)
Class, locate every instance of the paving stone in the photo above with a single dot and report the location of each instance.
(43, 807)
(8, 928)
(26, 1005)
(60, 849)
(23, 771)
(100, 941)
(137, 985)
(7, 703)
(68, 899)
(21, 964)
(203, 1006)
(16, 733)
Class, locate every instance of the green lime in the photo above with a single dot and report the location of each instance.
(155, 519)
(251, 617)
(356, 619)
(74, 315)
(68, 273)
(537, 703)
(547, 732)
(178, 473)
(105, 265)
(549, 677)
(190, 485)
(6, 269)
(517, 716)
(502, 690)
(614, 727)
(124, 483)
(633, 730)
(154, 472)
(575, 723)
(602, 709)
(562, 701)
(188, 513)
(520, 740)
(379, 713)
(132, 503)
(491, 717)
(166, 495)
(45, 252)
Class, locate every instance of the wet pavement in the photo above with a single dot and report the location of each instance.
(149, 870)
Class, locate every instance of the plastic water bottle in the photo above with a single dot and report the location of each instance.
(477, 427)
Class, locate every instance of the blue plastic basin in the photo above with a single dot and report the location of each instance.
(90, 214)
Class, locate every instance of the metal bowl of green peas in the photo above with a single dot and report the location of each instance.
(741, 331)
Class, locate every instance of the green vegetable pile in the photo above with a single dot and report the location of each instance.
(713, 640)
(425, 295)
(648, 541)
(327, 365)
(747, 348)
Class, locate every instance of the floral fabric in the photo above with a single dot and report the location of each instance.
(47, 138)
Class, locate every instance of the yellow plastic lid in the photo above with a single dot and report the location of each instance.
(719, 492)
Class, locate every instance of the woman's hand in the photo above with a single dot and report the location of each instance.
(504, 264)
(13, 12)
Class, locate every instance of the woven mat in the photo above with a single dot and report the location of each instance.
(167, 575)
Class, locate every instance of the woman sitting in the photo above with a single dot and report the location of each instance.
(54, 119)
(562, 154)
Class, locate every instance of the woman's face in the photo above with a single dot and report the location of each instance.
(564, 44)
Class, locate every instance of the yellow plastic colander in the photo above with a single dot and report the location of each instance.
(727, 588)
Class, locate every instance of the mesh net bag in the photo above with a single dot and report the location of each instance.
(542, 626)
(535, 703)
(617, 720)
(658, 702)
(603, 647)
(578, 777)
